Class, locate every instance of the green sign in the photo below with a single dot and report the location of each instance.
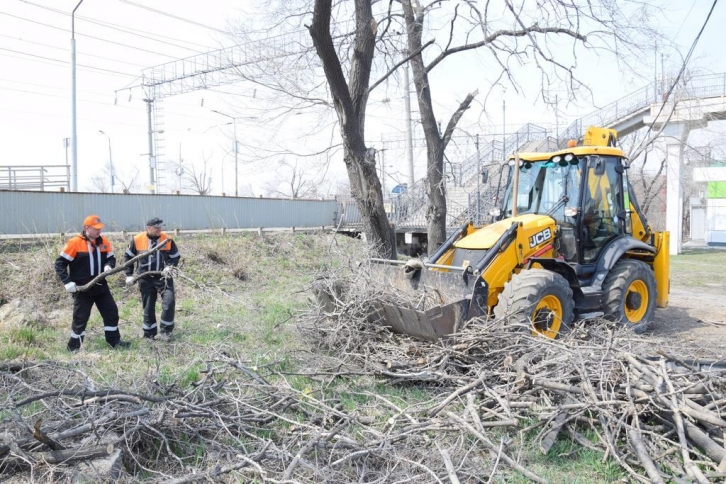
(717, 189)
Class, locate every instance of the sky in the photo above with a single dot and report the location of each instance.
(117, 39)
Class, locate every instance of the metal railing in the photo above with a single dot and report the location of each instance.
(35, 177)
(409, 208)
(496, 150)
(697, 87)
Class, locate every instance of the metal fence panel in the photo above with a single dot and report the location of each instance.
(23, 212)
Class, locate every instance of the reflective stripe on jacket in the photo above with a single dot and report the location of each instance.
(82, 259)
(167, 255)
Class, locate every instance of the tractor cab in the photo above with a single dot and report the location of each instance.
(582, 191)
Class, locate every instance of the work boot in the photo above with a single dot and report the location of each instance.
(74, 345)
(121, 345)
(165, 337)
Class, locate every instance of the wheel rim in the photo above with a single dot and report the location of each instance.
(636, 301)
(547, 317)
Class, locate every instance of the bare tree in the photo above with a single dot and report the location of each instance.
(127, 181)
(100, 184)
(540, 37)
(350, 98)
(517, 35)
(508, 35)
(198, 179)
(296, 182)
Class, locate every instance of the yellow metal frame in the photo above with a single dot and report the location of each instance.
(662, 267)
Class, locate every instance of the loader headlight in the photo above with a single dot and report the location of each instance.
(563, 160)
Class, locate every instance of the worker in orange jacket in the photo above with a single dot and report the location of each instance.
(161, 283)
(84, 257)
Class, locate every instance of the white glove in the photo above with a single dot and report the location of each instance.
(166, 271)
(107, 268)
(129, 280)
(71, 287)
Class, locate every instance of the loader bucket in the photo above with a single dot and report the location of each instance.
(447, 295)
(429, 325)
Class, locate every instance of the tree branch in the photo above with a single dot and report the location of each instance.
(118, 269)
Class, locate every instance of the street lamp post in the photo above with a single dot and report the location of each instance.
(110, 159)
(234, 127)
(74, 136)
(66, 143)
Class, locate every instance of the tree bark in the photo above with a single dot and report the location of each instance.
(435, 141)
(64, 456)
(349, 100)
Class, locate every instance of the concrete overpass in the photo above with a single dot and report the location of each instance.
(691, 105)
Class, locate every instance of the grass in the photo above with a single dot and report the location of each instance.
(243, 293)
(701, 269)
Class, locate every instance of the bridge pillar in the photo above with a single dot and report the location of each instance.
(675, 138)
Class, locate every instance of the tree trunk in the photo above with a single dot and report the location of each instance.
(366, 189)
(349, 100)
(436, 188)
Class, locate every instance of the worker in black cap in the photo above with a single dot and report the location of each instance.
(159, 281)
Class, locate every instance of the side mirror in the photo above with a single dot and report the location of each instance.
(484, 176)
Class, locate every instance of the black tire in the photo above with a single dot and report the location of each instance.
(629, 294)
(540, 298)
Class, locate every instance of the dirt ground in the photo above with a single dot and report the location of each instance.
(696, 317)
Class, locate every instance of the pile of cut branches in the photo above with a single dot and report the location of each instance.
(457, 411)
(654, 406)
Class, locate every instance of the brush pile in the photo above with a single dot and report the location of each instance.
(366, 405)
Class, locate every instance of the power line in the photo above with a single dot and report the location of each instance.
(66, 50)
(45, 86)
(139, 107)
(66, 62)
(88, 36)
(176, 17)
(680, 73)
(114, 27)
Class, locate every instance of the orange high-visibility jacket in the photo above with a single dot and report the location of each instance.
(82, 259)
(168, 255)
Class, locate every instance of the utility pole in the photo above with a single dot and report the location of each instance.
(655, 71)
(152, 158)
(66, 143)
(478, 180)
(504, 131)
(180, 169)
(409, 134)
(557, 118)
(383, 172)
(234, 127)
(110, 159)
(662, 74)
(74, 135)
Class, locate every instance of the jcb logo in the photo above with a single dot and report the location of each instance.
(540, 237)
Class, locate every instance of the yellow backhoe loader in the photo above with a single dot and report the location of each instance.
(568, 240)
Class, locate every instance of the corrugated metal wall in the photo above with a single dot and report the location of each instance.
(48, 212)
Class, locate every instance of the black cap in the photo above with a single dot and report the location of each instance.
(155, 221)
